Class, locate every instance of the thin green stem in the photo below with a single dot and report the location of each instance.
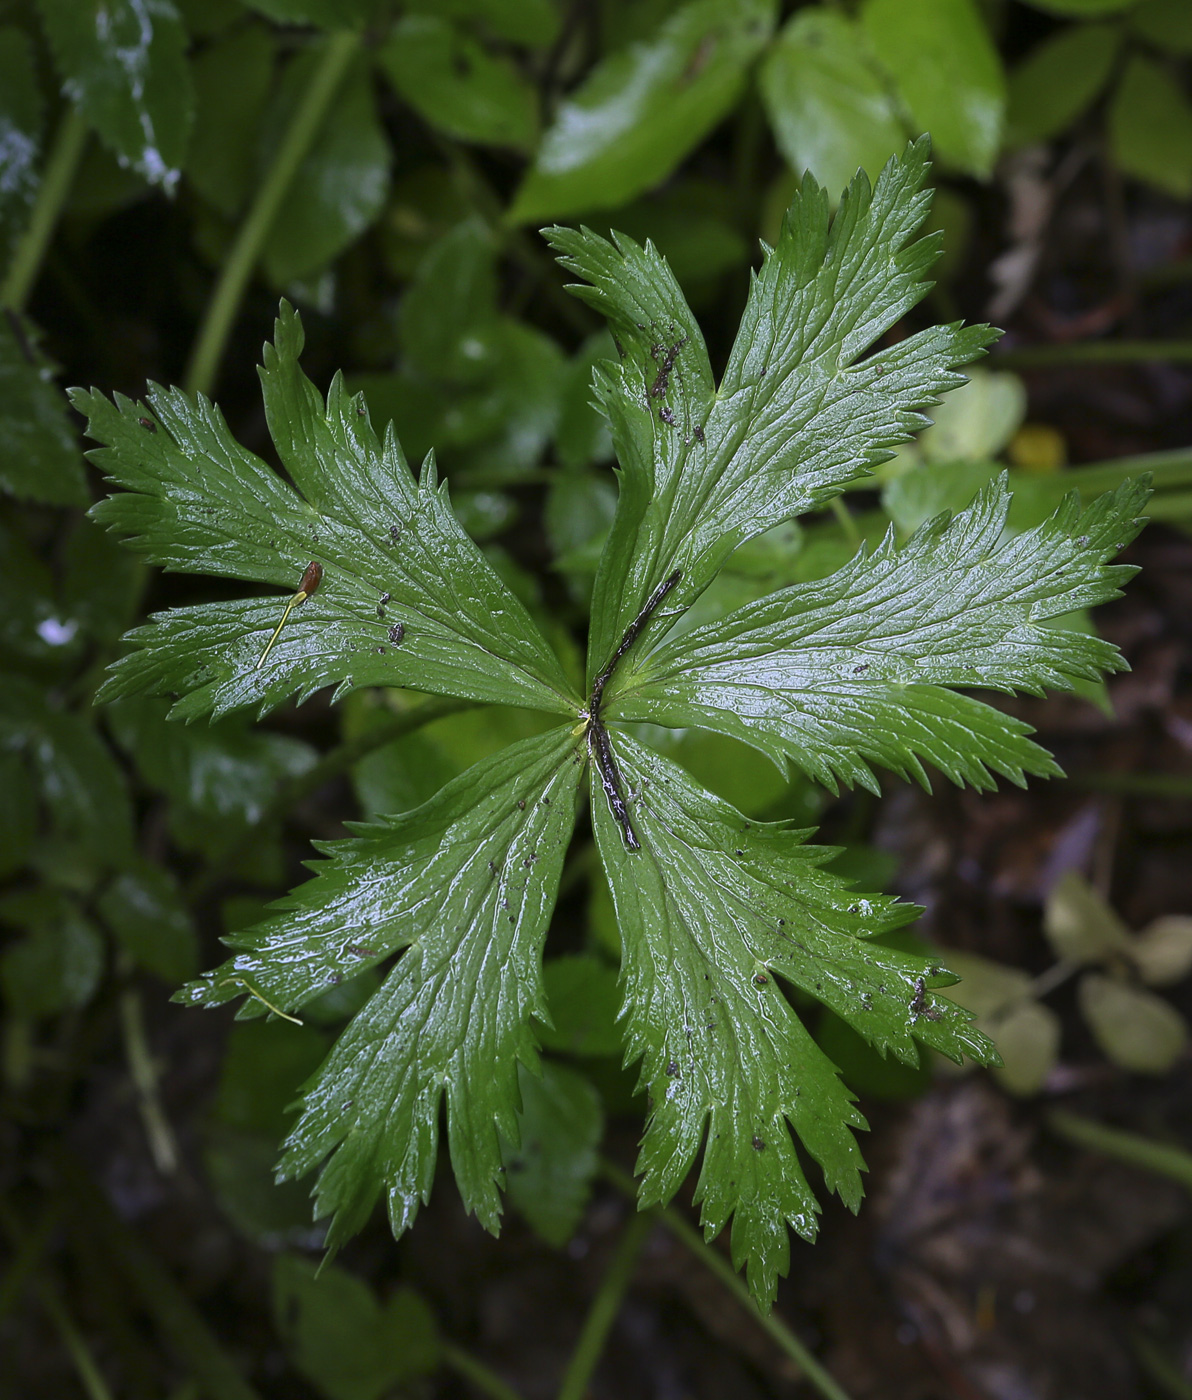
(486, 1381)
(605, 1307)
(80, 1353)
(143, 1073)
(29, 1248)
(1139, 1151)
(338, 52)
(1177, 785)
(1160, 1369)
(845, 518)
(163, 1300)
(774, 1327)
(1094, 352)
(56, 181)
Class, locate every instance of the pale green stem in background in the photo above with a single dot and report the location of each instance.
(29, 1249)
(1094, 352)
(778, 1331)
(604, 1309)
(847, 523)
(56, 181)
(143, 1073)
(338, 52)
(1158, 1157)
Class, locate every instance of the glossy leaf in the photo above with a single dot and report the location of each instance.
(124, 63)
(837, 674)
(341, 185)
(797, 414)
(1058, 80)
(549, 1176)
(22, 118)
(947, 71)
(829, 105)
(1150, 127)
(406, 598)
(457, 85)
(465, 885)
(712, 909)
(39, 456)
(642, 109)
(345, 1342)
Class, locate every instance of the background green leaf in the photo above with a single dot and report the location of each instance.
(831, 108)
(641, 110)
(948, 73)
(124, 63)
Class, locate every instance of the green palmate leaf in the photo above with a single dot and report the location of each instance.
(711, 908)
(124, 63)
(457, 86)
(853, 669)
(798, 412)
(465, 885)
(643, 109)
(406, 598)
(829, 105)
(947, 71)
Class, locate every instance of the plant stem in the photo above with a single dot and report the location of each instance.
(29, 1249)
(486, 1381)
(56, 181)
(1094, 352)
(143, 1073)
(338, 52)
(1139, 1151)
(1177, 785)
(80, 1353)
(175, 1316)
(605, 1306)
(776, 1329)
(845, 519)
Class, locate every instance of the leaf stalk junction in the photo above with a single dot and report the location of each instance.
(599, 747)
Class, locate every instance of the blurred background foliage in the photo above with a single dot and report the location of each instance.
(167, 171)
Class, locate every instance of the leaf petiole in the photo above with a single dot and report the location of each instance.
(598, 742)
